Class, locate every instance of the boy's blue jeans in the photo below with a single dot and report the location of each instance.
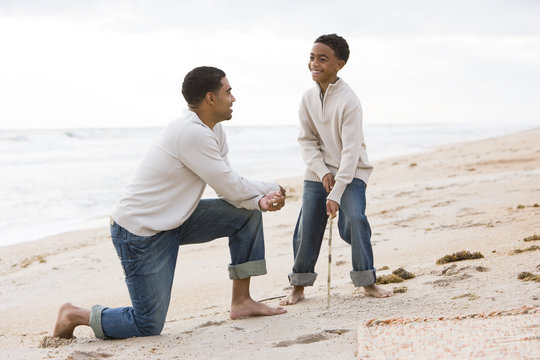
(353, 227)
(149, 263)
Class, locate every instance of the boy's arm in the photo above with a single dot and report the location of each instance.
(351, 129)
(310, 146)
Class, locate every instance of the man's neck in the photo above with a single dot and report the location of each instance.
(205, 118)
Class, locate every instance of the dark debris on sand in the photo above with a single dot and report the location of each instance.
(459, 256)
(527, 276)
(532, 238)
(397, 276)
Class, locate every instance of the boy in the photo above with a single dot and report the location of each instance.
(332, 144)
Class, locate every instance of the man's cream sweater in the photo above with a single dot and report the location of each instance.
(331, 136)
(171, 178)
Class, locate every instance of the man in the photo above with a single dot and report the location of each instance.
(162, 209)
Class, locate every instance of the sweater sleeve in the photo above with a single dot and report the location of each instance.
(199, 150)
(310, 143)
(263, 187)
(350, 153)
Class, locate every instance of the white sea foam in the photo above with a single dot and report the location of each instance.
(53, 181)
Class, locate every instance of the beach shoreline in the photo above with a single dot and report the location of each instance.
(479, 196)
(65, 178)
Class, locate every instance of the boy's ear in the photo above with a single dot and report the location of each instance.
(340, 65)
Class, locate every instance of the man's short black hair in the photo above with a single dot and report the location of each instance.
(336, 43)
(199, 81)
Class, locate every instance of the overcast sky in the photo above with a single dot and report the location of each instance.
(69, 64)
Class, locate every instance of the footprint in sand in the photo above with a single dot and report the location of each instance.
(454, 274)
(206, 324)
(210, 323)
(443, 203)
(312, 338)
(91, 355)
(54, 342)
(454, 270)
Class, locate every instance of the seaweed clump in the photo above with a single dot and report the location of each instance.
(532, 238)
(397, 276)
(530, 248)
(527, 276)
(404, 274)
(388, 279)
(400, 289)
(459, 256)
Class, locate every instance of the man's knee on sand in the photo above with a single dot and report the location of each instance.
(153, 329)
(104, 323)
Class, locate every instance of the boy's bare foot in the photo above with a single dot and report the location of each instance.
(296, 295)
(250, 307)
(376, 291)
(69, 317)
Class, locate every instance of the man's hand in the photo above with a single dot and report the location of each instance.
(273, 201)
(332, 208)
(328, 182)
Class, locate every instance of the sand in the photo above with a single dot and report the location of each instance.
(479, 196)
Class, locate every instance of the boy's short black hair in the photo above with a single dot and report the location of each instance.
(199, 81)
(336, 43)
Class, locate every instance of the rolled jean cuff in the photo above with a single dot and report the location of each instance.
(247, 269)
(95, 321)
(363, 278)
(302, 279)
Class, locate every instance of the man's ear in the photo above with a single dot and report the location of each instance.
(210, 97)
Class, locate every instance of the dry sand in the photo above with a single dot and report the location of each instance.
(479, 196)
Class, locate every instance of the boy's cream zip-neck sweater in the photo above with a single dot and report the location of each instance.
(331, 136)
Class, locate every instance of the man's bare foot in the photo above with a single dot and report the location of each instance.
(376, 291)
(250, 307)
(296, 295)
(69, 317)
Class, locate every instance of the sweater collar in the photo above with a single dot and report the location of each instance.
(332, 88)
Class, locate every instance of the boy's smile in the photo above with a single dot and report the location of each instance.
(324, 65)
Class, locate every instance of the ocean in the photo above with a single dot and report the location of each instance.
(53, 181)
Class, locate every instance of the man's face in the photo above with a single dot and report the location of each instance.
(224, 100)
(323, 64)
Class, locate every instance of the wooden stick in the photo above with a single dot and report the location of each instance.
(330, 221)
(272, 298)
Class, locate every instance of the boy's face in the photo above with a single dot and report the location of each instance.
(323, 64)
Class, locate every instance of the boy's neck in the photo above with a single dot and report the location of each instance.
(324, 85)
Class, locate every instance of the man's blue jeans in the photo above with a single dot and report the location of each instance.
(353, 227)
(149, 263)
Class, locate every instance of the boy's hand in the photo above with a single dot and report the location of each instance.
(332, 208)
(328, 182)
(272, 202)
